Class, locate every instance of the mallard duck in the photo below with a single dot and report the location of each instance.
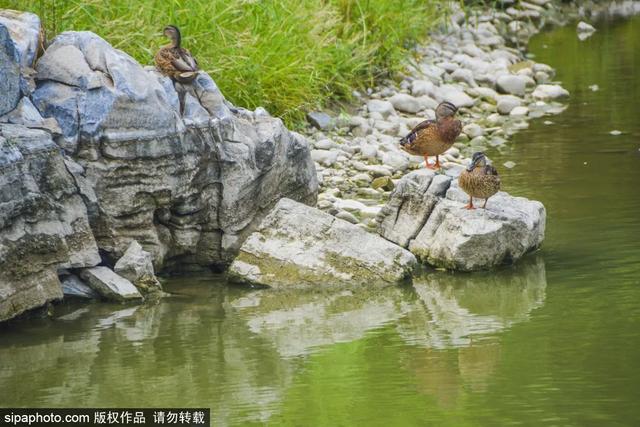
(175, 61)
(434, 137)
(479, 180)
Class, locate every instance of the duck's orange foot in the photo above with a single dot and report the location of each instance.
(432, 167)
(470, 205)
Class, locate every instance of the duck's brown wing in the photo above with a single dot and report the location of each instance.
(185, 62)
(411, 136)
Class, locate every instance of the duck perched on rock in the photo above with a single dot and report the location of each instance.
(175, 61)
(434, 137)
(479, 180)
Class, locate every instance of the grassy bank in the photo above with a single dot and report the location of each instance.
(287, 55)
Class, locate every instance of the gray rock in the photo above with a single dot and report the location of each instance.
(188, 182)
(324, 157)
(455, 96)
(519, 111)
(385, 108)
(422, 87)
(583, 27)
(297, 245)
(347, 216)
(109, 285)
(43, 221)
(136, 265)
(321, 120)
(473, 130)
(549, 92)
(72, 286)
(410, 204)
(506, 103)
(440, 232)
(405, 103)
(464, 75)
(9, 73)
(24, 30)
(512, 84)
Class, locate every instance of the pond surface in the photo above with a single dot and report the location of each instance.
(552, 341)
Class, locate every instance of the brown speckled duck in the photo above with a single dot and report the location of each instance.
(175, 61)
(434, 137)
(479, 180)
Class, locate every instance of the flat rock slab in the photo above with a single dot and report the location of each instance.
(298, 245)
(430, 220)
(109, 285)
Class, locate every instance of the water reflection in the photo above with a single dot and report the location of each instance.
(239, 352)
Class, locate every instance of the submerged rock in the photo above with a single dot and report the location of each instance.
(109, 285)
(298, 245)
(439, 231)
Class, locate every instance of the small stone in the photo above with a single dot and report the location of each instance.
(512, 84)
(405, 103)
(594, 88)
(615, 132)
(519, 111)
(347, 216)
(324, 144)
(422, 87)
(583, 27)
(506, 103)
(509, 164)
(324, 157)
(455, 96)
(384, 108)
(320, 120)
(383, 182)
(546, 92)
(473, 130)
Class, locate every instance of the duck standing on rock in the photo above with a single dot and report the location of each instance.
(479, 180)
(434, 137)
(175, 61)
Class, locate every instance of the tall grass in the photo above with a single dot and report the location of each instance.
(287, 55)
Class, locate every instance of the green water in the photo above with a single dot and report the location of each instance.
(552, 341)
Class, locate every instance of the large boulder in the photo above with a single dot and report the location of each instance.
(299, 245)
(428, 217)
(175, 167)
(43, 221)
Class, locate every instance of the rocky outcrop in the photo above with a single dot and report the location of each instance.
(178, 169)
(97, 149)
(426, 215)
(43, 221)
(297, 245)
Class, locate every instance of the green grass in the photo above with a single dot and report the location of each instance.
(289, 56)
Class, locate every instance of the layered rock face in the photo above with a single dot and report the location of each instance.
(426, 215)
(298, 245)
(43, 221)
(181, 171)
(97, 149)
